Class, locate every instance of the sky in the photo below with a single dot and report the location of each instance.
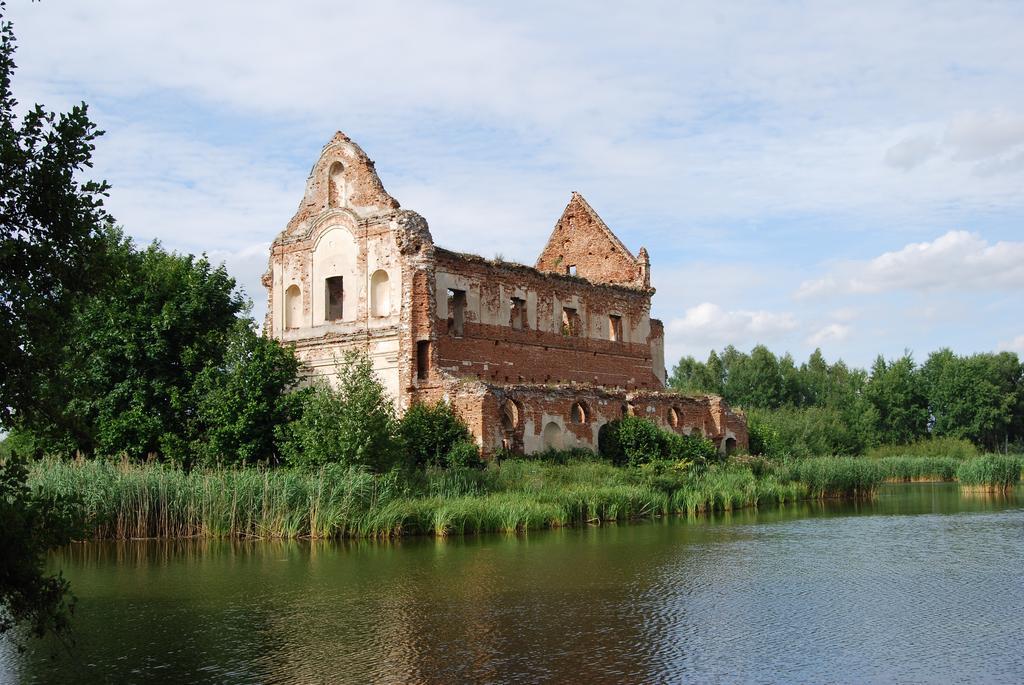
(848, 176)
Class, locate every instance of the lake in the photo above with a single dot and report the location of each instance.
(921, 584)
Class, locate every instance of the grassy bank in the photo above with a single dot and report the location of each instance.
(142, 501)
(153, 500)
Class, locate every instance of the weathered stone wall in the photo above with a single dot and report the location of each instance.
(531, 358)
(539, 347)
(581, 244)
(532, 418)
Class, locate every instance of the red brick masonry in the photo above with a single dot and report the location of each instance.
(531, 357)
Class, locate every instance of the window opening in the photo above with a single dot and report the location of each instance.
(571, 269)
(614, 327)
(570, 322)
(517, 316)
(456, 311)
(334, 297)
(578, 413)
(422, 359)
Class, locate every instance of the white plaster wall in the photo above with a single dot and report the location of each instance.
(336, 254)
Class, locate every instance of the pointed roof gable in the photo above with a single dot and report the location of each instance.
(582, 243)
(343, 178)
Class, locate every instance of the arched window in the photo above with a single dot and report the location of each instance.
(552, 436)
(578, 413)
(673, 417)
(510, 416)
(336, 185)
(292, 307)
(380, 293)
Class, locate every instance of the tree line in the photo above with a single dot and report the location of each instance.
(831, 408)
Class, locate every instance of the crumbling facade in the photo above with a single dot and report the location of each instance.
(531, 357)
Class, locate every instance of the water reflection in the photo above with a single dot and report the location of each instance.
(919, 584)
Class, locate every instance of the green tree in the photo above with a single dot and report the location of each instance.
(353, 425)
(897, 393)
(689, 376)
(241, 400)
(975, 397)
(133, 353)
(30, 525)
(49, 232)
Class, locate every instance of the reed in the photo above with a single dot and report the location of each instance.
(121, 500)
(993, 472)
(836, 476)
(908, 469)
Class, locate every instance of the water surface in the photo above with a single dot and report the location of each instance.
(920, 585)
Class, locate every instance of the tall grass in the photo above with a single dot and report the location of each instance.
(991, 472)
(836, 476)
(121, 500)
(918, 468)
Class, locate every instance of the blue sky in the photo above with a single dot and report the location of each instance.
(842, 175)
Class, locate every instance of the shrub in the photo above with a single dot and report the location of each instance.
(806, 432)
(634, 441)
(430, 432)
(694, 448)
(631, 440)
(954, 448)
(463, 454)
(353, 426)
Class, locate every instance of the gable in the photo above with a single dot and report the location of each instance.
(583, 243)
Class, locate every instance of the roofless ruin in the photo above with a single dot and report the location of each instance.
(531, 357)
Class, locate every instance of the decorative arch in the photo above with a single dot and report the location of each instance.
(336, 185)
(292, 306)
(552, 436)
(380, 293)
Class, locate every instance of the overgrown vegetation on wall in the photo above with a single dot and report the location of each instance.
(820, 408)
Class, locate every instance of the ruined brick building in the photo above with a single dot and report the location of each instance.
(531, 357)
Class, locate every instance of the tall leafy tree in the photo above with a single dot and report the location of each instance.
(50, 225)
(133, 353)
(240, 400)
(897, 393)
(49, 229)
(975, 397)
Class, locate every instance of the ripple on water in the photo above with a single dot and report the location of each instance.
(916, 587)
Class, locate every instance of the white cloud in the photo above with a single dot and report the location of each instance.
(832, 332)
(708, 325)
(738, 142)
(957, 260)
(980, 135)
(911, 152)
(1015, 345)
(845, 314)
